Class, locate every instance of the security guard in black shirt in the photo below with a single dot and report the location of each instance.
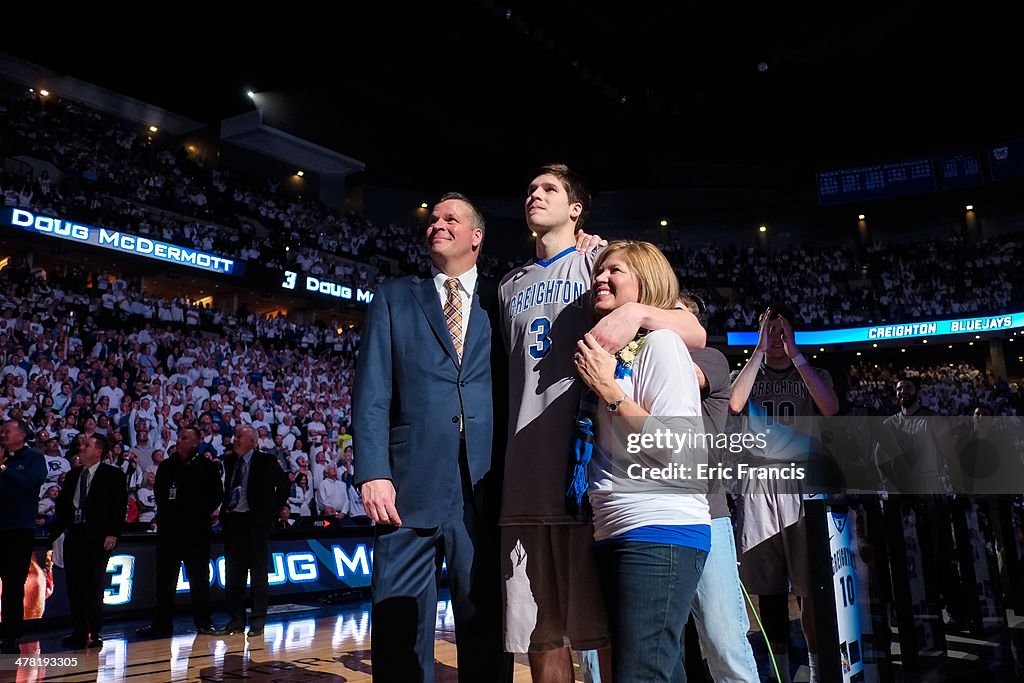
(188, 489)
(22, 472)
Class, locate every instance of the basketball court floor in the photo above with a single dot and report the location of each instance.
(301, 642)
(317, 642)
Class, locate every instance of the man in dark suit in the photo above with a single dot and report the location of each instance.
(423, 427)
(256, 490)
(188, 490)
(90, 513)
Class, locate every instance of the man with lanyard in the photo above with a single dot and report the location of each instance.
(188, 490)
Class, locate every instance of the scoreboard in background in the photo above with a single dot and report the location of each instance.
(876, 182)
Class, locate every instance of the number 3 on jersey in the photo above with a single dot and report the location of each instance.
(539, 340)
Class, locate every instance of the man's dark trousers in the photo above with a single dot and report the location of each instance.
(85, 564)
(406, 576)
(173, 548)
(15, 557)
(247, 547)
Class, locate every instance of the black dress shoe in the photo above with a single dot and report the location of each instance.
(153, 631)
(230, 630)
(255, 631)
(74, 642)
(208, 630)
(96, 642)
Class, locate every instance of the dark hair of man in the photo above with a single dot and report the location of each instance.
(913, 380)
(478, 218)
(575, 187)
(193, 428)
(22, 427)
(779, 311)
(102, 444)
(694, 304)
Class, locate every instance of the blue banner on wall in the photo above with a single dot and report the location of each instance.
(935, 328)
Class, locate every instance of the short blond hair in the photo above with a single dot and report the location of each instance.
(655, 278)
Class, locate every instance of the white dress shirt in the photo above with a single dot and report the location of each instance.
(331, 492)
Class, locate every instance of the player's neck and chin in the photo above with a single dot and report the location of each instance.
(552, 241)
(778, 362)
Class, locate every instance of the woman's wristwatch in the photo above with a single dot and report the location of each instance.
(613, 407)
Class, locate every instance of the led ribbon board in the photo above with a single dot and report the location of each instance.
(318, 285)
(116, 240)
(934, 328)
(297, 566)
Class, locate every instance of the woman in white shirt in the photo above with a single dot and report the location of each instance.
(297, 451)
(652, 534)
(145, 499)
(301, 496)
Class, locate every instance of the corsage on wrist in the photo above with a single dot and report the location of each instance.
(626, 356)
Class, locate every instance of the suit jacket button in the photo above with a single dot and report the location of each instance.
(455, 419)
(462, 384)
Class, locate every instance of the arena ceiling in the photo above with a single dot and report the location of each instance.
(472, 93)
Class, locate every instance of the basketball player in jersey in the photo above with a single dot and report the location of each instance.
(775, 388)
(551, 592)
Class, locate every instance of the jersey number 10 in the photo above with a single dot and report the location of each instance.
(782, 412)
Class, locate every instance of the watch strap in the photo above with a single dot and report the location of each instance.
(614, 405)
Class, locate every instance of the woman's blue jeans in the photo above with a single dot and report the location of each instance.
(648, 589)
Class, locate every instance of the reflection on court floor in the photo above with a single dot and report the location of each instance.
(300, 642)
(309, 642)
